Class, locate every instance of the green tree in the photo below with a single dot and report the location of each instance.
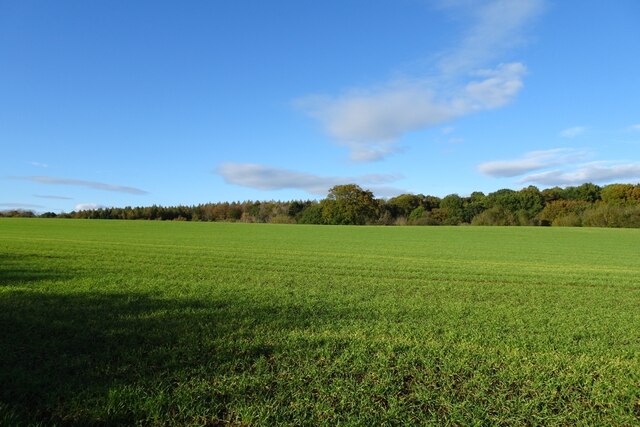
(296, 207)
(531, 201)
(451, 209)
(311, 214)
(403, 204)
(431, 202)
(416, 214)
(552, 194)
(588, 192)
(506, 198)
(349, 204)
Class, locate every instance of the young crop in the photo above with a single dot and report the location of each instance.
(168, 323)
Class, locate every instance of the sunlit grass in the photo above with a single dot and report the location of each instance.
(109, 322)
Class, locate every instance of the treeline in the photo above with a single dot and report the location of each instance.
(614, 205)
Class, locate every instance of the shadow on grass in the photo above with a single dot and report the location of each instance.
(19, 270)
(62, 355)
(100, 358)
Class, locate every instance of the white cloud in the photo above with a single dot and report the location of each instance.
(369, 118)
(87, 207)
(597, 172)
(447, 130)
(572, 132)
(496, 27)
(371, 152)
(534, 160)
(634, 128)
(369, 121)
(562, 167)
(39, 165)
(80, 183)
(499, 86)
(44, 196)
(264, 177)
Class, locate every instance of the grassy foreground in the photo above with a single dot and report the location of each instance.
(158, 323)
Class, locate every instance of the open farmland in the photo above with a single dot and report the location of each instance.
(170, 323)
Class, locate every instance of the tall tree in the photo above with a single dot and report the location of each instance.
(404, 204)
(349, 204)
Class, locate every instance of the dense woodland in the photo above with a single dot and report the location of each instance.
(614, 205)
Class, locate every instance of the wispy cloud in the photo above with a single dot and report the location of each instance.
(572, 132)
(80, 183)
(264, 177)
(597, 172)
(20, 206)
(495, 27)
(39, 165)
(634, 128)
(531, 161)
(370, 120)
(44, 196)
(561, 167)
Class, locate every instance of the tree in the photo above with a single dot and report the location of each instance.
(349, 204)
(296, 207)
(531, 201)
(506, 198)
(561, 208)
(430, 202)
(552, 194)
(451, 209)
(472, 209)
(588, 192)
(311, 214)
(621, 194)
(403, 204)
(496, 215)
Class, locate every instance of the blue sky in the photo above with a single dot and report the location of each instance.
(114, 103)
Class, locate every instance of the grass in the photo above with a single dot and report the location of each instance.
(157, 323)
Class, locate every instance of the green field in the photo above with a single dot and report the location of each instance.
(172, 323)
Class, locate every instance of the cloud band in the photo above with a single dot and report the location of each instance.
(80, 183)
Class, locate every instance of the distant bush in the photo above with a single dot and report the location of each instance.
(401, 220)
(603, 215)
(570, 219)
(420, 216)
(17, 213)
(427, 219)
(312, 214)
(416, 214)
(523, 218)
(386, 219)
(282, 219)
(559, 208)
(495, 216)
